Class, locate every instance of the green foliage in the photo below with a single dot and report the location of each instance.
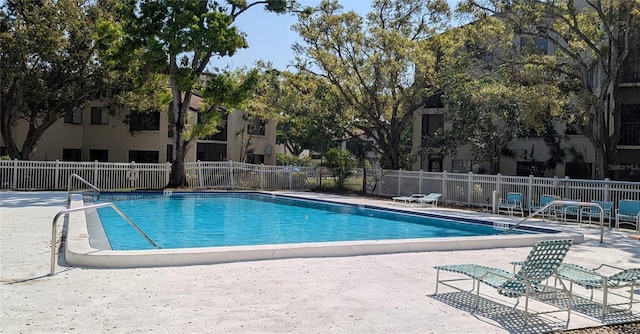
(378, 65)
(178, 38)
(591, 41)
(292, 160)
(341, 164)
(49, 66)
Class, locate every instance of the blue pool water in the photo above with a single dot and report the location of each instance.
(188, 220)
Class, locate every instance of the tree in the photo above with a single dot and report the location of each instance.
(377, 66)
(48, 66)
(341, 164)
(360, 149)
(592, 40)
(179, 38)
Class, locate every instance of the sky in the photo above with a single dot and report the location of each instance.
(270, 36)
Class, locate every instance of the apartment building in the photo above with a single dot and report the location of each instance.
(95, 135)
(430, 117)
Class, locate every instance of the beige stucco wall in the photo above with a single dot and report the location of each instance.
(118, 140)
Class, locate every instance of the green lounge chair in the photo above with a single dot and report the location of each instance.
(542, 263)
(592, 279)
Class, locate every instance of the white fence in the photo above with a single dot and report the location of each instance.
(457, 188)
(477, 189)
(54, 175)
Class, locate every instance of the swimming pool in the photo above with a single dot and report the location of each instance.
(81, 228)
(186, 220)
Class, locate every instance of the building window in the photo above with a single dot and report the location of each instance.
(144, 156)
(73, 117)
(169, 153)
(99, 115)
(144, 121)
(3, 151)
(256, 127)
(99, 155)
(578, 170)
(71, 154)
(526, 168)
(255, 158)
(431, 123)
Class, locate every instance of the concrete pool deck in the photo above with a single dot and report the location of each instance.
(359, 294)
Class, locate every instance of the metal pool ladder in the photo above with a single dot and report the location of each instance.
(84, 208)
(72, 176)
(559, 202)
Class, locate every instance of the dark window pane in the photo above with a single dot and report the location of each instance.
(99, 155)
(71, 154)
(144, 156)
(144, 121)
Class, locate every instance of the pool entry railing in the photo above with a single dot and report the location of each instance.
(85, 208)
(567, 203)
(79, 178)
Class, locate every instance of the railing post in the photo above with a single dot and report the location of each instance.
(420, 182)
(15, 175)
(262, 177)
(56, 182)
(470, 189)
(499, 183)
(398, 191)
(606, 190)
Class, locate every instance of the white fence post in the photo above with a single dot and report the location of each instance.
(167, 174)
(444, 185)
(530, 190)
(15, 175)
(57, 175)
(470, 189)
(498, 184)
(399, 182)
(420, 182)
(200, 178)
(233, 181)
(262, 177)
(606, 190)
(95, 173)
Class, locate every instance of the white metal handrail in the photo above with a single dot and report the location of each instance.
(74, 175)
(84, 208)
(559, 202)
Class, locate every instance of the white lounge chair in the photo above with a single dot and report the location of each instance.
(409, 199)
(431, 199)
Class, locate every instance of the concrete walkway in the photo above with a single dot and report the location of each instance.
(363, 294)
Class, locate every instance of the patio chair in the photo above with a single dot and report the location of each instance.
(409, 199)
(431, 199)
(544, 200)
(543, 260)
(592, 212)
(567, 211)
(511, 203)
(629, 212)
(592, 279)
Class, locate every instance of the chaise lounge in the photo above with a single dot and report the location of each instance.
(542, 263)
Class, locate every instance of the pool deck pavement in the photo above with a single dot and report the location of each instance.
(390, 293)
